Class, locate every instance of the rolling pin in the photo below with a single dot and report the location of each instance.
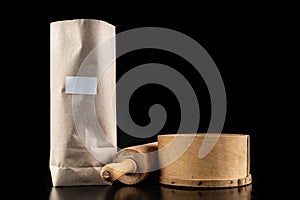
(132, 165)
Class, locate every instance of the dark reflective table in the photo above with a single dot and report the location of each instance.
(145, 192)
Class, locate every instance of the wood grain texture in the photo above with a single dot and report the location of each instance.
(114, 171)
(227, 165)
(145, 159)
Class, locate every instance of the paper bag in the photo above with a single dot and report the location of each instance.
(83, 122)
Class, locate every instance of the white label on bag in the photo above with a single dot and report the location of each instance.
(81, 85)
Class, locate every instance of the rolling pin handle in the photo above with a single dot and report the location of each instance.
(114, 171)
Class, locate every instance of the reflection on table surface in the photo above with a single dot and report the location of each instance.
(241, 193)
(145, 192)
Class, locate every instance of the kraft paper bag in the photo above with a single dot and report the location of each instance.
(83, 122)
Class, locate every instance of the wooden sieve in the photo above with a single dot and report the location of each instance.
(226, 165)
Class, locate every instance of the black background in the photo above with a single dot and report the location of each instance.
(242, 42)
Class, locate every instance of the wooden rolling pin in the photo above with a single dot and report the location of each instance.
(132, 165)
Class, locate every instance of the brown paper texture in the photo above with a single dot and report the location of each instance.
(83, 128)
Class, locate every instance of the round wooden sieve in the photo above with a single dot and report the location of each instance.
(226, 165)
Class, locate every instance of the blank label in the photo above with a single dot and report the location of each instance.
(81, 85)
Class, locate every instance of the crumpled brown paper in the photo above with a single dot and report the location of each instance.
(77, 152)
